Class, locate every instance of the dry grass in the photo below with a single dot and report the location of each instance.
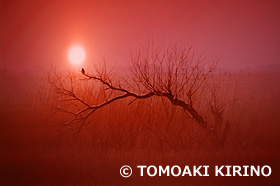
(37, 151)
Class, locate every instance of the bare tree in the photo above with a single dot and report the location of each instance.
(176, 73)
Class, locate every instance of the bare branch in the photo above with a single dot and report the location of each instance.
(176, 73)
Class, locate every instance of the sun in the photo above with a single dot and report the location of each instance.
(76, 55)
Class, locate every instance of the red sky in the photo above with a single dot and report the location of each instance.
(34, 34)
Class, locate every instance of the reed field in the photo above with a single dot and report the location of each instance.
(37, 149)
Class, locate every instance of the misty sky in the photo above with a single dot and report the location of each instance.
(34, 34)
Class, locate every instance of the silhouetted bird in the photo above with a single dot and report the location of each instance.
(83, 70)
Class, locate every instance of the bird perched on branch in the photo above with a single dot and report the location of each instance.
(83, 70)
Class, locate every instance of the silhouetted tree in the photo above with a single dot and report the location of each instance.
(174, 72)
